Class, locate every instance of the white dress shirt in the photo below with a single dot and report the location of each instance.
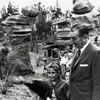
(83, 48)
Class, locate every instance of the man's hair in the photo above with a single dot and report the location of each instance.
(82, 29)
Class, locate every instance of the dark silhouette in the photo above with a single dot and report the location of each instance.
(41, 88)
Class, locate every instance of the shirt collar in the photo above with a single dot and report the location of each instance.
(83, 48)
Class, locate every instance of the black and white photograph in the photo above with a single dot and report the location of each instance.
(49, 50)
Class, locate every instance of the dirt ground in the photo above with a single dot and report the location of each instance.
(20, 91)
(17, 92)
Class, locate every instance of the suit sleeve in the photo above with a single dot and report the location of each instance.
(96, 76)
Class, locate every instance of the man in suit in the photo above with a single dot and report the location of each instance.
(84, 82)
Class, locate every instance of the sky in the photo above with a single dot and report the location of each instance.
(63, 4)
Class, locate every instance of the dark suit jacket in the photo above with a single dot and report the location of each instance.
(85, 75)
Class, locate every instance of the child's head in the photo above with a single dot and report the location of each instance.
(53, 71)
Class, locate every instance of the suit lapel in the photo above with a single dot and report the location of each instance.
(81, 56)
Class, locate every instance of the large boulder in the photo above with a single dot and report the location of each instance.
(82, 6)
(30, 11)
(91, 19)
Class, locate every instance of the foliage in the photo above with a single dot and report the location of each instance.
(11, 10)
(7, 80)
(43, 26)
(4, 13)
(68, 14)
(7, 70)
(43, 29)
(55, 13)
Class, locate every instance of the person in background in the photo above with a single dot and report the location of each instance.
(67, 77)
(63, 64)
(84, 81)
(59, 86)
(64, 58)
(70, 58)
(61, 53)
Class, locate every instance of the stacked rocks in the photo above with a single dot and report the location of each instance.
(19, 39)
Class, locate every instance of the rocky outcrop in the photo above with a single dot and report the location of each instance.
(19, 39)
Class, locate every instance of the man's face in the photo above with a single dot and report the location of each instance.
(76, 40)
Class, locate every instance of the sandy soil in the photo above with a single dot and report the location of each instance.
(17, 92)
(20, 91)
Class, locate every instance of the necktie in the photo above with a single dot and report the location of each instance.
(77, 55)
